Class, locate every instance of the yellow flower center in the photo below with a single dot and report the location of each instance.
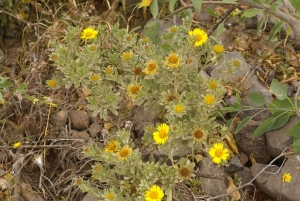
(79, 181)
(198, 37)
(124, 153)
(108, 70)
(88, 34)
(54, 56)
(110, 196)
(173, 59)
(128, 38)
(153, 194)
(92, 47)
(97, 168)
(95, 78)
(134, 89)
(198, 134)
(162, 134)
(151, 66)
(173, 29)
(213, 85)
(178, 108)
(126, 55)
(209, 99)
(52, 83)
(219, 153)
(236, 63)
(184, 172)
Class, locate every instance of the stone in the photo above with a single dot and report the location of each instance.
(213, 178)
(234, 165)
(272, 184)
(79, 119)
(28, 193)
(87, 197)
(243, 158)
(59, 119)
(278, 140)
(246, 176)
(95, 129)
(250, 145)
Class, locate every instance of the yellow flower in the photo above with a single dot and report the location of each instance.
(199, 135)
(93, 47)
(179, 108)
(172, 61)
(133, 89)
(218, 153)
(111, 147)
(95, 78)
(26, 1)
(236, 63)
(173, 29)
(53, 56)
(209, 99)
(89, 33)
(145, 3)
(51, 83)
(126, 55)
(200, 36)
(218, 48)
(79, 181)
(110, 196)
(213, 85)
(108, 70)
(161, 136)
(145, 39)
(137, 71)
(16, 145)
(124, 153)
(286, 177)
(128, 38)
(22, 15)
(151, 67)
(154, 194)
(97, 168)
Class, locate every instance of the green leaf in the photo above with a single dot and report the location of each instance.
(295, 131)
(296, 4)
(267, 2)
(228, 109)
(154, 8)
(151, 30)
(257, 1)
(264, 127)
(187, 13)
(220, 28)
(296, 145)
(273, 8)
(211, 12)
(276, 28)
(259, 25)
(287, 104)
(237, 106)
(281, 117)
(242, 124)
(257, 99)
(197, 4)
(238, 98)
(215, 39)
(172, 5)
(251, 12)
(280, 90)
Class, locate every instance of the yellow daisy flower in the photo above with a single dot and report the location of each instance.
(108, 70)
(154, 194)
(145, 3)
(213, 85)
(219, 48)
(199, 135)
(124, 153)
(110, 196)
(93, 48)
(22, 15)
(151, 67)
(161, 136)
(89, 33)
(133, 89)
(95, 78)
(173, 60)
(236, 63)
(209, 99)
(178, 108)
(286, 177)
(173, 29)
(218, 153)
(53, 57)
(16, 145)
(111, 147)
(51, 83)
(126, 55)
(200, 36)
(79, 181)
(145, 39)
(96, 168)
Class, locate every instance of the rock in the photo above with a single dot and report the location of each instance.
(295, 85)
(272, 184)
(278, 140)
(246, 176)
(234, 165)
(213, 179)
(79, 119)
(243, 158)
(251, 23)
(88, 198)
(250, 145)
(82, 136)
(28, 193)
(59, 119)
(95, 129)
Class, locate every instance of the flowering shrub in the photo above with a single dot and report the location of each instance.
(122, 71)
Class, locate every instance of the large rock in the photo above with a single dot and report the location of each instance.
(272, 184)
(213, 179)
(278, 140)
(250, 145)
(79, 119)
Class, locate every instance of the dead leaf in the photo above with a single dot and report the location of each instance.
(108, 126)
(231, 143)
(252, 158)
(231, 187)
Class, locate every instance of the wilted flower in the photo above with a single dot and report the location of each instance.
(151, 67)
(133, 89)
